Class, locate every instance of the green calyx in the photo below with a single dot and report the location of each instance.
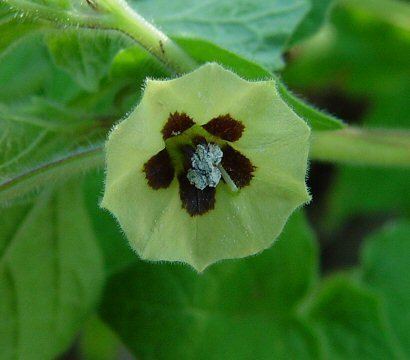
(207, 167)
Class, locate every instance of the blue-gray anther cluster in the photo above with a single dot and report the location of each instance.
(205, 161)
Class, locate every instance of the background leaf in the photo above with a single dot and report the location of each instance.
(384, 265)
(358, 68)
(35, 119)
(12, 28)
(350, 322)
(98, 342)
(258, 30)
(48, 121)
(50, 274)
(86, 55)
(364, 53)
(312, 22)
(237, 309)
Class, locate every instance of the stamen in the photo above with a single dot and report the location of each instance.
(227, 179)
(204, 162)
(207, 169)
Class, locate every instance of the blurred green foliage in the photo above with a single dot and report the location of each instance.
(235, 309)
(60, 92)
(364, 52)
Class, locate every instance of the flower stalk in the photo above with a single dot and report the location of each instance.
(374, 147)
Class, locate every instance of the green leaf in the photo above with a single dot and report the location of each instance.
(86, 55)
(255, 29)
(98, 342)
(385, 265)
(240, 310)
(13, 29)
(24, 70)
(350, 322)
(50, 273)
(312, 21)
(41, 137)
(204, 51)
(50, 128)
(318, 120)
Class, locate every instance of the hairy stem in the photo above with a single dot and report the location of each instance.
(112, 14)
(65, 167)
(362, 147)
(27, 8)
(151, 38)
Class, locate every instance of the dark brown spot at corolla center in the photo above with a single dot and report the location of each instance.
(195, 201)
(159, 170)
(225, 127)
(238, 166)
(176, 124)
(187, 152)
(199, 202)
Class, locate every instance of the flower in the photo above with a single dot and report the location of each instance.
(207, 167)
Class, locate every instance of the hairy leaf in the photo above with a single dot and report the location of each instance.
(86, 55)
(50, 128)
(24, 70)
(13, 28)
(258, 30)
(35, 119)
(50, 273)
(318, 120)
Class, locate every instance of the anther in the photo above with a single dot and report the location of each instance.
(204, 169)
